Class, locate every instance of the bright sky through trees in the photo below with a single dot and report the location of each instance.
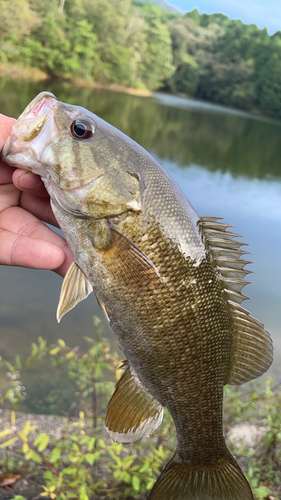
(249, 11)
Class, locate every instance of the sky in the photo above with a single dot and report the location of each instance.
(264, 13)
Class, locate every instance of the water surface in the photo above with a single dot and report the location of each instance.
(228, 164)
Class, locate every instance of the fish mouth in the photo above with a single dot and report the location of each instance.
(39, 105)
(34, 117)
(25, 136)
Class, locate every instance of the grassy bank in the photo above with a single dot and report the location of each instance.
(21, 72)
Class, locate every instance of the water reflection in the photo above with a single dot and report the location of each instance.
(228, 165)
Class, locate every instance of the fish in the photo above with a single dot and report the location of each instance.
(168, 282)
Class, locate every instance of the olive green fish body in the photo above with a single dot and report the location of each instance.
(168, 282)
(167, 332)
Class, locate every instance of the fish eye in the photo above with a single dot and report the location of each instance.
(81, 129)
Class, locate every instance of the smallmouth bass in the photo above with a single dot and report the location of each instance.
(169, 283)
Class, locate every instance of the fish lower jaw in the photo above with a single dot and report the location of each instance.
(20, 159)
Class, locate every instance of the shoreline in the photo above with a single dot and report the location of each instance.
(36, 75)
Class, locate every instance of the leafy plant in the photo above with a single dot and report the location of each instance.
(84, 462)
(75, 464)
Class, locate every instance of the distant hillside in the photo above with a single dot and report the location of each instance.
(163, 4)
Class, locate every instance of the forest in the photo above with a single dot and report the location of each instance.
(140, 45)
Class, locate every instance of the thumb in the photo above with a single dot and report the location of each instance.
(6, 124)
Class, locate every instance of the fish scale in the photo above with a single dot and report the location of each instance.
(168, 282)
(187, 377)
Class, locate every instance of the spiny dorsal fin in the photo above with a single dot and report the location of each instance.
(253, 351)
(132, 412)
(225, 254)
(232, 272)
(75, 287)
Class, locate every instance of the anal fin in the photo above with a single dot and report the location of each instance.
(75, 287)
(133, 413)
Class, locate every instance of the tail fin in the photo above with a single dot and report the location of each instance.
(180, 481)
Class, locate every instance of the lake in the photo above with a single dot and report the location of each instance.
(228, 163)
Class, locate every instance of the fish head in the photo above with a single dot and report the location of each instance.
(80, 158)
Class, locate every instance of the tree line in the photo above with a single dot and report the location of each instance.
(139, 45)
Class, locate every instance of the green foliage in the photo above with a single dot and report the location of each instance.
(11, 375)
(90, 371)
(10, 463)
(75, 464)
(138, 44)
(83, 461)
(226, 62)
(195, 16)
(111, 42)
(17, 20)
(269, 84)
(186, 78)
(205, 69)
(229, 82)
(260, 406)
(156, 52)
(139, 469)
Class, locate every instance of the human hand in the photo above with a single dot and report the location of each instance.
(24, 202)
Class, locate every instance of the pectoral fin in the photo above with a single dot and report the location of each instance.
(129, 263)
(133, 413)
(75, 287)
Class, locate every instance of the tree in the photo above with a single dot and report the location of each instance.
(17, 20)
(229, 82)
(194, 49)
(269, 85)
(156, 61)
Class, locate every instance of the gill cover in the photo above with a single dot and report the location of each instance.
(89, 168)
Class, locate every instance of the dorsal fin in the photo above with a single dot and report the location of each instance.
(253, 351)
(225, 254)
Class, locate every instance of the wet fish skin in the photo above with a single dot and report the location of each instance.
(168, 282)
